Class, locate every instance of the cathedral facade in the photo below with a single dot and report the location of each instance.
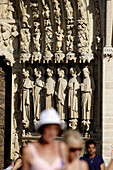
(56, 53)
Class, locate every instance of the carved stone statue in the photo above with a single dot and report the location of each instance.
(27, 89)
(8, 34)
(10, 10)
(70, 40)
(69, 9)
(73, 86)
(36, 39)
(82, 14)
(39, 84)
(3, 11)
(87, 88)
(25, 15)
(59, 37)
(25, 40)
(50, 89)
(61, 93)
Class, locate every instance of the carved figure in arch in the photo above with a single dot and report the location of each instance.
(82, 13)
(10, 10)
(8, 34)
(69, 9)
(27, 90)
(73, 87)
(50, 89)
(25, 16)
(59, 37)
(3, 12)
(61, 92)
(46, 12)
(14, 34)
(39, 85)
(25, 40)
(70, 40)
(87, 88)
(36, 27)
(48, 39)
(57, 9)
(36, 39)
(83, 37)
(35, 10)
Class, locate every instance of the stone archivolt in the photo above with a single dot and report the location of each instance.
(48, 49)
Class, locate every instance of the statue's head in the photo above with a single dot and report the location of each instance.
(86, 72)
(49, 72)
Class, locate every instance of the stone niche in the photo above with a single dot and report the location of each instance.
(54, 49)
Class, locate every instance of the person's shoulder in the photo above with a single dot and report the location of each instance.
(84, 164)
(99, 158)
(26, 149)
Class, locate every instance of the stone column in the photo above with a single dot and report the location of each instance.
(109, 19)
(107, 98)
(107, 119)
(108, 50)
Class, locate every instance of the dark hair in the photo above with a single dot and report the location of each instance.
(89, 142)
(8, 162)
(21, 148)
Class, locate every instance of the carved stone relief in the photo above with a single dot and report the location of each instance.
(61, 92)
(8, 33)
(39, 85)
(49, 49)
(87, 89)
(83, 33)
(73, 86)
(27, 92)
(48, 34)
(25, 15)
(97, 27)
(50, 89)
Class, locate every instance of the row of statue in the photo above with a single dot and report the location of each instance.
(56, 92)
(52, 38)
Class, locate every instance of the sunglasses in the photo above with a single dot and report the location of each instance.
(75, 149)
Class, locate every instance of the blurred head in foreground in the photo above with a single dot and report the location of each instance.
(74, 143)
(49, 125)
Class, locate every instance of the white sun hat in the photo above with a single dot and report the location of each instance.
(49, 116)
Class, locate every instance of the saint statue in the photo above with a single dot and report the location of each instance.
(39, 85)
(27, 89)
(50, 89)
(87, 88)
(61, 93)
(73, 87)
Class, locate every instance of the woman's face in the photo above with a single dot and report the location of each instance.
(74, 149)
(50, 132)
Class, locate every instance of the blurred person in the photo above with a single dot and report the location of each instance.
(94, 161)
(110, 167)
(47, 153)
(18, 162)
(9, 164)
(74, 143)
